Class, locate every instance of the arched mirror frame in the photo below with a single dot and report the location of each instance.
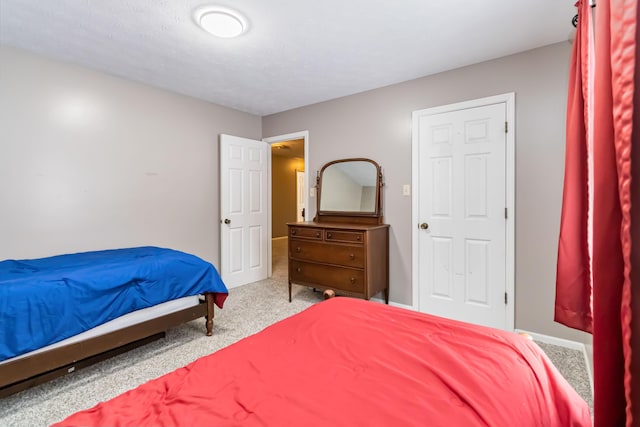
(374, 217)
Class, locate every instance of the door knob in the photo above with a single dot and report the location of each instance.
(424, 226)
(227, 221)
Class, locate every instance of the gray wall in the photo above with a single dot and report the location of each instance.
(377, 124)
(90, 161)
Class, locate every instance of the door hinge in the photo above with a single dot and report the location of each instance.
(505, 298)
(506, 127)
(505, 213)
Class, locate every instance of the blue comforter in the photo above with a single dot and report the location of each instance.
(43, 301)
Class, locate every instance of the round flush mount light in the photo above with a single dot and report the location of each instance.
(221, 22)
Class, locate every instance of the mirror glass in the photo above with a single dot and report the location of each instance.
(349, 186)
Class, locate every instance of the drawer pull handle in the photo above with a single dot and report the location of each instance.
(318, 234)
(353, 280)
(358, 238)
(298, 249)
(329, 235)
(352, 256)
(299, 269)
(293, 232)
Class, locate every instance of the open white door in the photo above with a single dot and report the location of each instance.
(244, 212)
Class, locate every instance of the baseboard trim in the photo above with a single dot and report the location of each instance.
(561, 342)
(547, 339)
(395, 304)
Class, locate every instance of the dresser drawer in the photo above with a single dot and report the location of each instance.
(344, 236)
(339, 278)
(347, 255)
(306, 233)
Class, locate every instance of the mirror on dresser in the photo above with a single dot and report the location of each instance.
(345, 248)
(350, 190)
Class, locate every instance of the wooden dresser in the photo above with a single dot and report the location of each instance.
(350, 259)
(345, 248)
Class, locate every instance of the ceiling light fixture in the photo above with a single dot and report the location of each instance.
(220, 21)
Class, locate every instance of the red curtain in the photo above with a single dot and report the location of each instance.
(613, 123)
(573, 280)
(607, 197)
(635, 248)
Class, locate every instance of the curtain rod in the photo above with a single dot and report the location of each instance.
(574, 20)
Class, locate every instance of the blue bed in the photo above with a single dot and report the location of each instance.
(43, 301)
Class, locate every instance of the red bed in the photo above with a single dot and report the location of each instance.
(349, 362)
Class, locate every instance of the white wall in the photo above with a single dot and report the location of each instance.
(91, 161)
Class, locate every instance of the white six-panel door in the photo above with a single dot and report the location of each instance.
(243, 210)
(461, 222)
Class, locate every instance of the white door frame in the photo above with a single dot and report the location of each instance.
(273, 140)
(509, 100)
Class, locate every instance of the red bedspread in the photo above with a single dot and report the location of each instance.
(349, 362)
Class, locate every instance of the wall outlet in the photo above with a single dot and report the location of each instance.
(406, 190)
(312, 192)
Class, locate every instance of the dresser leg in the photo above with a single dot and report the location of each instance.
(386, 295)
(289, 291)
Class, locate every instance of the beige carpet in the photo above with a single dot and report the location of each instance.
(248, 309)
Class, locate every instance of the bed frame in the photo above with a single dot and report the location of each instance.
(32, 370)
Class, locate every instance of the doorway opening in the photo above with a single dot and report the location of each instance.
(289, 195)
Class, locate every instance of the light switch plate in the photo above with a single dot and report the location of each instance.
(406, 190)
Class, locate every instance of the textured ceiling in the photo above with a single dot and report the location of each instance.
(296, 52)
